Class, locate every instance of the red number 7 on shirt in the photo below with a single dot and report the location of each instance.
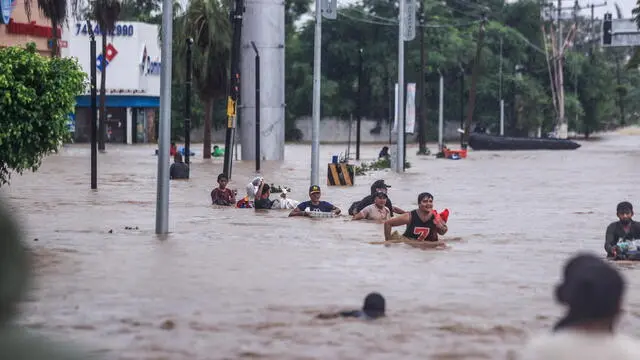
(422, 232)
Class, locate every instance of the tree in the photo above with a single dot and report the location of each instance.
(207, 22)
(106, 13)
(141, 10)
(56, 11)
(38, 94)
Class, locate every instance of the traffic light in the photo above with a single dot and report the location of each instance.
(606, 30)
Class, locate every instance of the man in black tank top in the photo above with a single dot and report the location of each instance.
(421, 223)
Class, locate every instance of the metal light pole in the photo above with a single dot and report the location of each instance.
(359, 118)
(441, 113)
(162, 194)
(94, 109)
(500, 96)
(234, 84)
(422, 102)
(461, 103)
(257, 74)
(187, 108)
(315, 126)
(400, 142)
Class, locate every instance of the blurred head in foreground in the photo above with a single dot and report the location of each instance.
(593, 291)
(14, 266)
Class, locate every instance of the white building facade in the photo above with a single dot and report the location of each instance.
(132, 65)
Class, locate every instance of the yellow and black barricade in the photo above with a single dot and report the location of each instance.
(341, 174)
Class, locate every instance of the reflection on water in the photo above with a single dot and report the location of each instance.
(233, 284)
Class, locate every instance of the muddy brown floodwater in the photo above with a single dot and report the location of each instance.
(235, 284)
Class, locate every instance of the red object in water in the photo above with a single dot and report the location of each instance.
(445, 215)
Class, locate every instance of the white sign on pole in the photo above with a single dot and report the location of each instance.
(410, 109)
(624, 32)
(395, 111)
(329, 9)
(409, 30)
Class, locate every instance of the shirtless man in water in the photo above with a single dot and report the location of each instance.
(421, 223)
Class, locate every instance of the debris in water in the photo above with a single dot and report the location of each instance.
(111, 231)
(168, 325)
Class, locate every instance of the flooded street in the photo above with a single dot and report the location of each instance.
(236, 284)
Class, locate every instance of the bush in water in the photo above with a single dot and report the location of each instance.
(37, 95)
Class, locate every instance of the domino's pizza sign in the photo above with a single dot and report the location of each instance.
(102, 61)
(6, 6)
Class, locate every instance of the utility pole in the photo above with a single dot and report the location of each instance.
(94, 110)
(164, 141)
(562, 125)
(576, 8)
(315, 121)
(187, 108)
(461, 74)
(400, 101)
(500, 96)
(422, 102)
(441, 113)
(257, 80)
(474, 81)
(593, 24)
(234, 84)
(359, 118)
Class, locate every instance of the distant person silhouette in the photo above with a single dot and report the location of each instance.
(373, 308)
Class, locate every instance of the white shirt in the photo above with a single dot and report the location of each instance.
(372, 212)
(577, 345)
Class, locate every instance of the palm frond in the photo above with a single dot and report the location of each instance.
(207, 22)
(106, 13)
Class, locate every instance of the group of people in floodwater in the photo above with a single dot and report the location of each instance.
(422, 224)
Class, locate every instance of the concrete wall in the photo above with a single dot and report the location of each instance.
(335, 130)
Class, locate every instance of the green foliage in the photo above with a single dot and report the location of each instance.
(451, 34)
(380, 164)
(37, 96)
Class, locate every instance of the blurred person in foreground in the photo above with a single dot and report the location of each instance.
(593, 292)
(16, 342)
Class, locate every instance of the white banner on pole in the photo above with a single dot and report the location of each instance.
(410, 109)
(409, 30)
(395, 110)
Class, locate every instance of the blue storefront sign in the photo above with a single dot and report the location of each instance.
(6, 6)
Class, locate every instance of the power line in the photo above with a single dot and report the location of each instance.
(391, 22)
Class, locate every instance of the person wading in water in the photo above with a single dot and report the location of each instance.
(373, 308)
(422, 224)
